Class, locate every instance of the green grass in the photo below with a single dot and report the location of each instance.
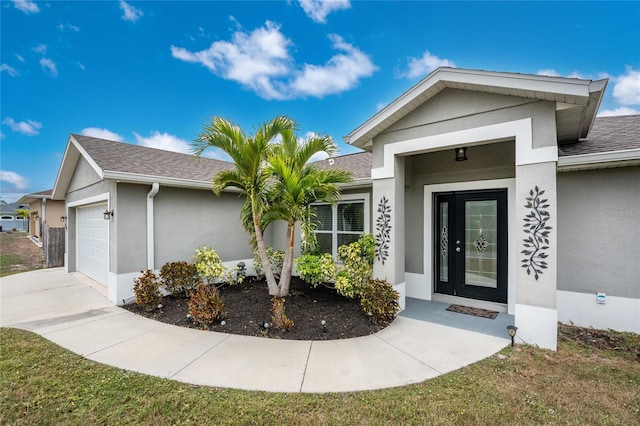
(41, 383)
(7, 262)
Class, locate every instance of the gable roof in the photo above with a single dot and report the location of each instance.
(30, 198)
(136, 164)
(576, 100)
(11, 208)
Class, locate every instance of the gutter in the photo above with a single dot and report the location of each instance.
(601, 160)
(155, 187)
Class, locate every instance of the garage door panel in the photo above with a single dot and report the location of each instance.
(93, 242)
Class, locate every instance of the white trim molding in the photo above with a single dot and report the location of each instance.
(600, 160)
(519, 130)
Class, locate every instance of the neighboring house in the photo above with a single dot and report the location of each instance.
(541, 213)
(10, 220)
(43, 211)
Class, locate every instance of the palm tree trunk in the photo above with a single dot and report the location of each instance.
(287, 264)
(262, 253)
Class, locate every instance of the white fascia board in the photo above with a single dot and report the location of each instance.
(357, 183)
(136, 178)
(65, 172)
(623, 158)
(519, 82)
(87, 157)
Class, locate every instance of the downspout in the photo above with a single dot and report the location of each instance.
(155, 187)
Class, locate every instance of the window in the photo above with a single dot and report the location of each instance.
(7, 217)
(342, 223)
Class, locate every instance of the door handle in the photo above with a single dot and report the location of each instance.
(458, 249)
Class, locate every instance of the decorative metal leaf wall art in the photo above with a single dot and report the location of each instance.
(383, 230)
(535, 224)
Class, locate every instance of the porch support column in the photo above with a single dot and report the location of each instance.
(388, 227)
(536, 314)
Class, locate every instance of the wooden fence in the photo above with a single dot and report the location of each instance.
(53, 245)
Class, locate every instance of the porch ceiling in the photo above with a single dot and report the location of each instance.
(577, 100)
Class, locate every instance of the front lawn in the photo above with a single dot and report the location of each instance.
(593, 378)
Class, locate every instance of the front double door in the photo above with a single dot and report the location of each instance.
(471, 244)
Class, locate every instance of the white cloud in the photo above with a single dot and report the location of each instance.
(618, 111)
(318, 10)
(164, 141)
(49, 67)
(342, 72)
(260, 61)
(80, 65)
(381, 105)
(70, 27)
(20, 58)
(28, 128)
(26, 6)
(420, 67)
(627, 88)
(41, 48)
(549, 72)
(19, 182)
(99, 133)
(130, 13)
(10, 70)
(251, 59)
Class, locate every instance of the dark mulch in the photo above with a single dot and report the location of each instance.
(248, 304)
(608, 340)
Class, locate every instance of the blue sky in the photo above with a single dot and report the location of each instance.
(153, 72)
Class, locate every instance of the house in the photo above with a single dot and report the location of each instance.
(12, 221)
(496, 190)
(43, 211)
(540, 217)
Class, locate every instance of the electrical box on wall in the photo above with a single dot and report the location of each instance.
(601, 298)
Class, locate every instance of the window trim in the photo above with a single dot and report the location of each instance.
(365, 197)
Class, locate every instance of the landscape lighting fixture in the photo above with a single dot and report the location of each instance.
(461, 153)
(511, 329)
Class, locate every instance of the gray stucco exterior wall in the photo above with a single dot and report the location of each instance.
(599, 231)
(453, 110)
(493, 161)
(130, 217)
(186, 219)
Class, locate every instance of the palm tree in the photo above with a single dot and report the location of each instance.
(249, 153)
(276, 178)
(23, 214)
(298, 184)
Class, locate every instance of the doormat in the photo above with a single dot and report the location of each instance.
(477, 312)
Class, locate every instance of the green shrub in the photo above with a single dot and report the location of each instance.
(278, 317)
(147, 290)
(209, 265)
(276, 258)
(205, 305)
(357, 266)
(316, 269)
(179, 277)
(380, 301)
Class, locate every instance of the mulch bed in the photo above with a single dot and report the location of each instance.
(247, 305)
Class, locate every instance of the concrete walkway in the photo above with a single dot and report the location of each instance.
(65, 310)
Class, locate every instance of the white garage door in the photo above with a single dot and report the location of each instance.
(93, 242)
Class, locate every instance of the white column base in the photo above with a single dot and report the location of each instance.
(401, 288)
(537, 326)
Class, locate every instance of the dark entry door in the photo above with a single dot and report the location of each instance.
(471, 244)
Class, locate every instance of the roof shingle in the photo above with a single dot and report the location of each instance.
(607, 134)
(128, 158)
